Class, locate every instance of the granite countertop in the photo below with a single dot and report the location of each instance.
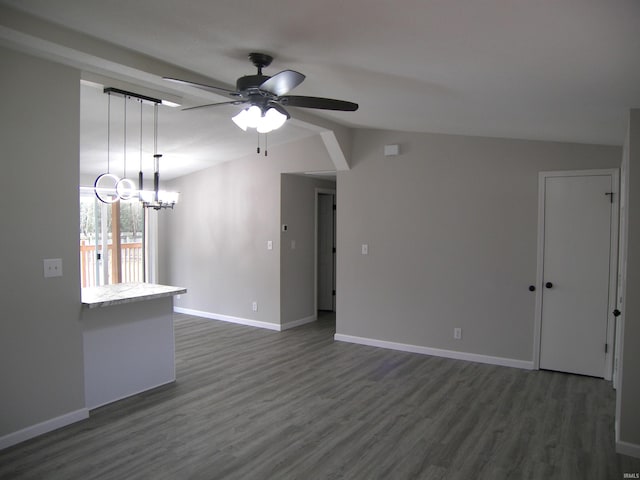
(119, 293)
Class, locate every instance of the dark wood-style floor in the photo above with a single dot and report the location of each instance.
(257, 404)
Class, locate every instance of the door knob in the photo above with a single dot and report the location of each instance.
(532, 288)
(616, 313)
(548, 285)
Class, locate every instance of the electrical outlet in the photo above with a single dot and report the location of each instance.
(52, 267)
(365, 249)
(457, 333)
(254, 306)
(269, 244)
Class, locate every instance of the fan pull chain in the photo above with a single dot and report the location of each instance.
(265, 144)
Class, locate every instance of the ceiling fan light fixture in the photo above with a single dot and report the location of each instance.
(273, 119)
(253, 117)
(248, 118)
(254, 113)
(241, 120)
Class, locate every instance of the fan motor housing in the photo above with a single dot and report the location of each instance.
(250, 82)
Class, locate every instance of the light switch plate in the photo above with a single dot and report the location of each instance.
(269, 244)
(365, 249)
(52, 267)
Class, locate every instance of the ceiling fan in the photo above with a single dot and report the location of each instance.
(268, 95)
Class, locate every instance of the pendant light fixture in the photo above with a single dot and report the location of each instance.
(125, 188)
(108, 188)
(105, 184)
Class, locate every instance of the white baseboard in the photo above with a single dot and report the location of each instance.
(228, 318)
(629, 449)
(127, 395)
(300, 321)
(42, 428)
(436, 352)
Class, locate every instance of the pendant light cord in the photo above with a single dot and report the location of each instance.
(125, 138)
(109, 133)
(155, 129)
(140, 135)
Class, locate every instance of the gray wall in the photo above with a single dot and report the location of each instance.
(40, 339)
(629, 392)
(451, 225)
(215, 241)
(297, 272)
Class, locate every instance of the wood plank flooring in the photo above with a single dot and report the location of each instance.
(258, 404)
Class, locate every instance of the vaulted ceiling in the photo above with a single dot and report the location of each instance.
(562, 70)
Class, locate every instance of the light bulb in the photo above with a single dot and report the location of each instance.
(106, 193)
(126, 189)
(254, 114)
(275, 118)
(264, 126)
(241, 120)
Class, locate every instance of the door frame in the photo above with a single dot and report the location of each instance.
(319, 191)
(613, 260)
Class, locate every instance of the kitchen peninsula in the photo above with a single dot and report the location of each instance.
(128, 340)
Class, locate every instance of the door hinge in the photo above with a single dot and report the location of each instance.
(334, 292)
(334, 207)
(334, 249)
(606, 348)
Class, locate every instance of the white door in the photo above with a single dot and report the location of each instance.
(578, 214)
(326, 252)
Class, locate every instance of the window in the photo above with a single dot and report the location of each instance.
(111, 251)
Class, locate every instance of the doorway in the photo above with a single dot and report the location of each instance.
(577, 253)
(325, 291)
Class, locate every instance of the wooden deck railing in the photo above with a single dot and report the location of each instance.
(131, 262)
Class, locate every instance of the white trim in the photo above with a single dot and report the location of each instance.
(127, 395)
(436, 352)
(613, 259)
(624, 448)
(43, 427)
(229, 318)
(629, 449)
(537, 327)
(300, 321)
(613, 275)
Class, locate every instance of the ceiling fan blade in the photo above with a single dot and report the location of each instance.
(282, 82)
(208, 88)
(318, 102)
(233, 102)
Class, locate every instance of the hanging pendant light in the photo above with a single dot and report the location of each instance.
(125, 188)
(158, 199)
(105, 185)
(109, 188)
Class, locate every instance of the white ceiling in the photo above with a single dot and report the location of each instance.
(565, 70)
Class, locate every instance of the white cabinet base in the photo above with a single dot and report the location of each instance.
(128, 348)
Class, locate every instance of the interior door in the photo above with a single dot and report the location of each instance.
(576, 273)
(326, 252)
